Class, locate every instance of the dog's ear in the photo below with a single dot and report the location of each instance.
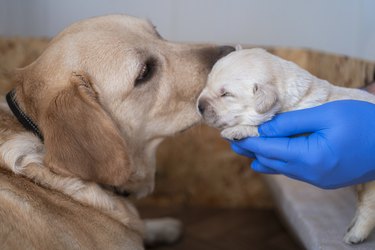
(81, 139)
(265, 97)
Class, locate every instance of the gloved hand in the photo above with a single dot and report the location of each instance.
(335, 146)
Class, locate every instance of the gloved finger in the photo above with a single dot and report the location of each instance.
(258, 167)
(241, 151)
(271, 163)
(294, 123)
(281, 149)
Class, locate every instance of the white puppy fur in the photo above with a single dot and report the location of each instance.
(248, 87)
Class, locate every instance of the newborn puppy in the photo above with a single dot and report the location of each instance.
(248, 87)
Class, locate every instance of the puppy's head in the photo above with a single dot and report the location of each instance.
(107, 91)
(241, 90)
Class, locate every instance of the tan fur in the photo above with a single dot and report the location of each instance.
(101, 127)
(92, 148)
(277, 86)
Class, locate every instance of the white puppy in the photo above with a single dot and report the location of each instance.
(248, 87)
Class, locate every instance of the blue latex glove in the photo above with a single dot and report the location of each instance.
(336, 150)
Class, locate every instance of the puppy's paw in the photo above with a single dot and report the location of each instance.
(162, 231)
(239, 132)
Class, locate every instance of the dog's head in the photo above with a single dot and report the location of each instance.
(105, 93)
(241, 90)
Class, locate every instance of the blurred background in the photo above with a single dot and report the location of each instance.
(222, 202)
(345, 27)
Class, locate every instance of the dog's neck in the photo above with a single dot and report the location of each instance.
(21, 115)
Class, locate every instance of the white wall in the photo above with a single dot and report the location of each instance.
(339, 26)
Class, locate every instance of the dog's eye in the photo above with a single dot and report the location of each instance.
(145, 73)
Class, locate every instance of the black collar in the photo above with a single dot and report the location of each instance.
(21, 116)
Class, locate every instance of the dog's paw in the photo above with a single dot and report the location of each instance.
(355, 233)
(239, 132)
(352, 238)
(162, 231)
(360, 227)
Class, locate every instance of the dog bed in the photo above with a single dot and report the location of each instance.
(318, 218)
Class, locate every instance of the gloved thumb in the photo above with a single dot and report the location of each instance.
(293, 123)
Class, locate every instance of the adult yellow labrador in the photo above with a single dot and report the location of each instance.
(81, 128)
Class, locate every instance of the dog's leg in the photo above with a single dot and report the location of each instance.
(87, 193)
(371, 88)
(23, 154)
(239, 132)
(162, 231)
(364, 219)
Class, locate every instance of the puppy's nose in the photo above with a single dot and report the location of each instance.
(202, 105)
(201, 108)
(225, 50)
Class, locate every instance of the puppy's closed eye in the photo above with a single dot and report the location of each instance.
(225, 93)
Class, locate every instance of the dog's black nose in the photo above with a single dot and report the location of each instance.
(225, 50)
(202, 106)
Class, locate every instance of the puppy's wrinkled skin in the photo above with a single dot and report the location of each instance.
(248, 87)
(104, 94)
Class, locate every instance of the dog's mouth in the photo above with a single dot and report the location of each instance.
(189, 127)
(122, 193)
(128, 192)
(117, 191)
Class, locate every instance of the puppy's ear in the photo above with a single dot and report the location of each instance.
(265, 97)
(239, 47)
(81, 139)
